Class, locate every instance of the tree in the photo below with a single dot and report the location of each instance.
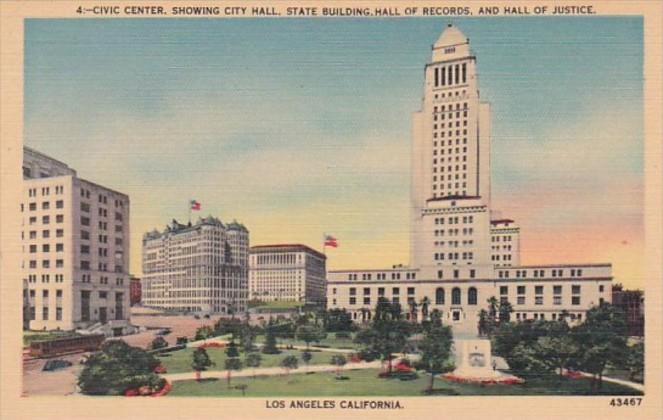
(253, 360)
(289, 362)
(412, 304)
(482, 325)
(558, 351)
(602, 341)
(306, 357)
(337, 320)
(270, 342)
(309, 333)
(158, 343)
(228, 326)
(203, 333)
(232, 363)
(247, 335)
(231, 350)
(505, 311)
(635, 362)
(387, 332)
(116, 368)
(436, 351)
(425, 303)
(200, 361)
(559, 348)
(339, 361)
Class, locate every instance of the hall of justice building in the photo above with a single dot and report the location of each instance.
(287, 272)
(462, 251)
(75, 237)
(199, 267)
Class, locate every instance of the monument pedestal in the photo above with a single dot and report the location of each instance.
(474, 363)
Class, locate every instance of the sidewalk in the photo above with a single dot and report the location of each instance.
(247, 372)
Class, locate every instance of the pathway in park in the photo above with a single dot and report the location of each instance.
(268, 371)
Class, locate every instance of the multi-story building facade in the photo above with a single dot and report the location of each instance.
(290, 272)
(632, 303)
(75, 237)
(201, 267)
(462, 252)
(135, 291)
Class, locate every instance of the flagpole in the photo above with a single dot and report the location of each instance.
(189, 211)
(324, 244)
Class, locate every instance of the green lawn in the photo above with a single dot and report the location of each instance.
(330, 341)
(366, 383)
(180, 361)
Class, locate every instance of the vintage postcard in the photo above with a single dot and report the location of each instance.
(363, 209)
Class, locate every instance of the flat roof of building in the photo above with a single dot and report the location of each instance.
(258, 249)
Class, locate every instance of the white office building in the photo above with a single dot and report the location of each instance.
(75, 236)
(462, 251)
(288, 272)
(201, 267)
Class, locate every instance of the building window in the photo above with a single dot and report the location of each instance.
(410, 290)
(520, 300)
(353, 291)
(380, 291)
(538, 300)
(58, 314)
(504, 290)
(472, 273)
(44, 313)
(575, 300)
(353, 301)
(395, 291)
(538, 290)
(575, 289)
(367, 291)
(367, 300)
(439, 296)
(601, 288)
(455, 296)
(472, 296)
(521, 290)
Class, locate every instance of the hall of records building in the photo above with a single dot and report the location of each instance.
(75, 236)
(462, 252)
(201, 267)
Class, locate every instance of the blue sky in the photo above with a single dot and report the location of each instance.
(302, 126)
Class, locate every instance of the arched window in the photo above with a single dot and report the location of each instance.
(472, 296)
(439, 296)
(455, 296)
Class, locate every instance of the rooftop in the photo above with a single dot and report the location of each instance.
(258, 249)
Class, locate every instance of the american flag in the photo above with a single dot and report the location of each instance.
(331, 241)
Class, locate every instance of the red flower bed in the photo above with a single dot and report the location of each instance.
(145, 391)
(572, 374)
(213, 345)
(160, 369)
(163, 391)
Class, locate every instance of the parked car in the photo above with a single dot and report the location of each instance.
(56, 364)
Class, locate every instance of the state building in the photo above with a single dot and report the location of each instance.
(463, 251)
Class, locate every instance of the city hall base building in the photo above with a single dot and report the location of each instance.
(462, 251)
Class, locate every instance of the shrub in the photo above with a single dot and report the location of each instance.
(116, 368)
(158, 343)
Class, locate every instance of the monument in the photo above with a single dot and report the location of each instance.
(475, 363)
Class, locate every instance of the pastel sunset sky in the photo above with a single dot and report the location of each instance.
(296, 127)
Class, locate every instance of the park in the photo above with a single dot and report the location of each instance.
(318, 353)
